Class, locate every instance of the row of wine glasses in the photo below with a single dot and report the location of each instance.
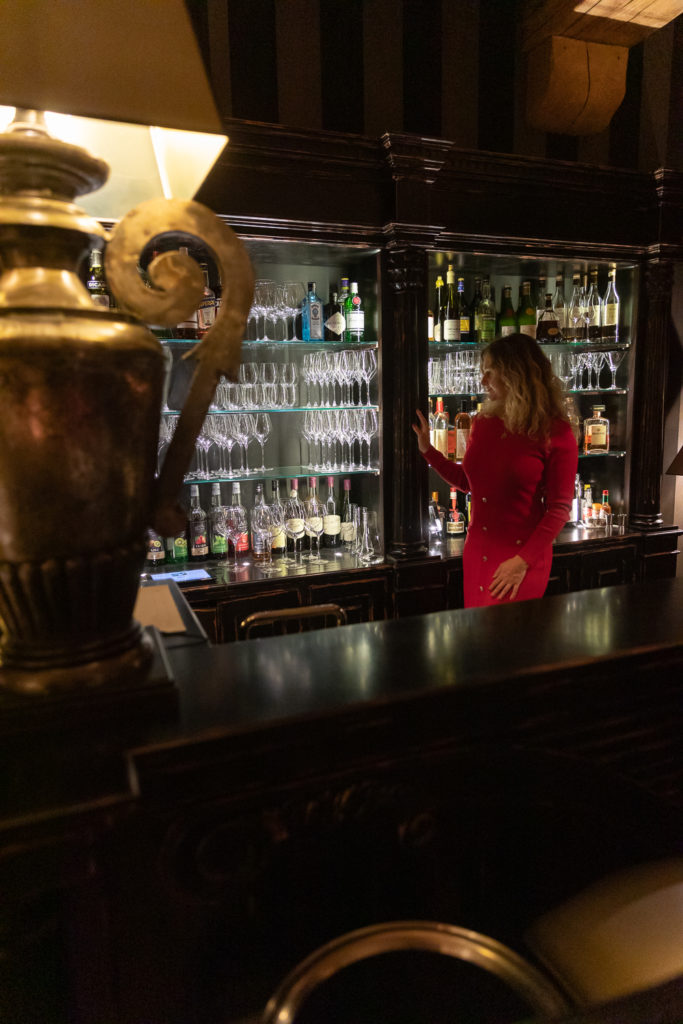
(332, 434)
(328, 374)
(581, 371)
(267, 385)
(221, 433)
(273, 306)
(457, 373)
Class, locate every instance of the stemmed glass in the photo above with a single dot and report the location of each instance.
(286, 382)
(267, 377)
(240, 428)
(613, 359)
(263, 304)
(248, 378)
(294, 295)
(235, 519)
(368, 428)
(315, 511)
(368, 370)
(295, 527)
(260, 428)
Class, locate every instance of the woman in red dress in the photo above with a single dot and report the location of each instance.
(519, 466)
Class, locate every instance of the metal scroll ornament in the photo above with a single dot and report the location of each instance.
(80, 394)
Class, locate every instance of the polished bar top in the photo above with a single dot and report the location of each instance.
(245, 685)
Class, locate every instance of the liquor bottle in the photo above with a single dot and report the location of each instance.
(440, 511)
(176, 548)
(438, 303)
(331, 521)
(473, 307)
(197, 528)
(587, 505)
(218, 541)
(508, 317)
(242, 545)
(540, 296)
(259, 551)
(187, 329)
(596, 432)
(450, 320)
(547, 329)
(343, 290)
(609, 330)
(312, 316)
(455, 524)
(559, 304)
(96, 284)
(430, 325)
(463, 425)
(279, 541)
(334, 322)
(155, 555)
(206, 314)
(576, 328)
(440, 429)
(593, 307)
(526, 311)
(486, 314)
(348, 528)
(576, 502)
(464, 313)
(354, 316)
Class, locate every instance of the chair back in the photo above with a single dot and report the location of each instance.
(279, 621)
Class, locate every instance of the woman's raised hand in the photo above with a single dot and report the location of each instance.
(421, 429)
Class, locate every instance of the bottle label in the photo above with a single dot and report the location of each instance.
(219, 544)
(508, 329)
(464, 325)
(101, 299)
(455, 527)
(551, 332)
(430, 327)
(609, 316)
(315, 313)
(355, 320)
(206, 314)
(336, 324)
(348, 532)
(279, 542)
(529, 329)
(242, 542)
(462, 438)
(598, 435)
(295, 527)
(437, 331)
(200, 545)
(441, 441)
(155, 551)
(314, 526)
(487, 329)
(180, 549)
(331, 525)
(451, 330)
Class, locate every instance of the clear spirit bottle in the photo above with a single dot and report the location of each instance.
(610, 308)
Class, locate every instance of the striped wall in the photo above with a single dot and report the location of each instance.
(447, 68)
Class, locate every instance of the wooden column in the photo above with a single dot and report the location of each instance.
(647, 445)
(404, 373)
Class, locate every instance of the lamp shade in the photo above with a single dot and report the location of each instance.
(122, 79)
(676, 467)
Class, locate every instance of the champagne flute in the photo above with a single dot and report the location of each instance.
(261, 427)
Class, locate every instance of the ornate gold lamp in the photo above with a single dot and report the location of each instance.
(80, 387)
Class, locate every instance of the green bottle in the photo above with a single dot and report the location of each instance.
(507, 323)
(486, 314)
(526, 311)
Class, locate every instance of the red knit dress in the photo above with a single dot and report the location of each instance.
(521, 498)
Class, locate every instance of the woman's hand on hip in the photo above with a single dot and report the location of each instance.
(508, 577)
(421, 429)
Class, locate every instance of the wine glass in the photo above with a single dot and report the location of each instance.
(240, 428)
(295, 527)
(248, 378)
(313, 519)
(613, 360)
(263, 304)
(260, 428)
(235, 519)
(286, 380)
(294, 294)
(368, 370)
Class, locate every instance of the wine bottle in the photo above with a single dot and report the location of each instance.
(331, 521)
(334, 322)
(508, 317)
(312, 316)
(438, 303)
(206, 314)
(96, 284)
(259, 551)
(440, 429)
(486, 314)
(463, 425)
(474, 306)
(559, 304)
(354, 316)
(348, 529)
(464, 313)
(575, 329)
(242, 544)
(540, 296)
(526, 311)
(609, 330)
(197, 528)
(593, 307)
(279, 542)
(218, 541)
(450, 321)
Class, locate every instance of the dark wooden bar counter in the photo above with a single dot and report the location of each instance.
(469, 766)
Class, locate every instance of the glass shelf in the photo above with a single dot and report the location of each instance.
(279, 408)
(597, 391)
(290, 344)
(589, 346)
(282, 472)
(603, 455)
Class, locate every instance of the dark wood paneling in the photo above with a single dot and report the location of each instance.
(422, 50)
(625, 125)
(497, 33)
(253, 59)
(341, 65)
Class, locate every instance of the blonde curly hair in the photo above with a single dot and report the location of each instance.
(534, 399)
